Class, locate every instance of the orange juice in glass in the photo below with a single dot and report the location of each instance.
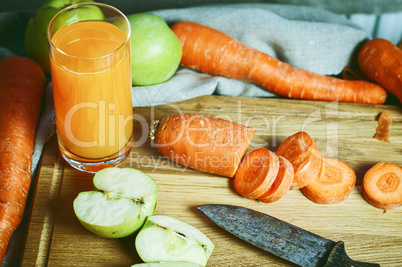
(91, 77)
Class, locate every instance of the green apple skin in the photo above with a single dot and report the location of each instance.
(35, 39)
(123, 199)
(163, 238)
(155, 50)
(87, 12)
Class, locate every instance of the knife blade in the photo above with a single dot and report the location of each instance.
(278, 237)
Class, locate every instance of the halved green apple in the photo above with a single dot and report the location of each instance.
(163, 238)
(123, 199)
(167, 264)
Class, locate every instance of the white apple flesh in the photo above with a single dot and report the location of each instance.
(167, 264)
(163, 238)
(124, 198)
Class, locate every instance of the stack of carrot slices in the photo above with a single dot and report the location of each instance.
(297, 164)
(305, 157)
(263, 175)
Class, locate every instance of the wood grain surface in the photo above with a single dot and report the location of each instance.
(56, 238)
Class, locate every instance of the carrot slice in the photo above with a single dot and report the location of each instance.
(256, 173)
(305, 157)
(281, 184)
(334, 183)
(382, 185)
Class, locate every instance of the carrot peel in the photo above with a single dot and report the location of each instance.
(382, 131)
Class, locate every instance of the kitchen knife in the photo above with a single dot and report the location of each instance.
(279, 238)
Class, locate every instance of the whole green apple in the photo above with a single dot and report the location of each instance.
(36, 43)
(155, 50)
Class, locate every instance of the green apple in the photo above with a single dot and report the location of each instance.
(35, 40)
(155, 50)
(163, 239)
(123, 199)
(77, 14)
(167, 264)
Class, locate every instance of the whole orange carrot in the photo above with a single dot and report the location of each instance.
(22, 83)
(210, 51)
(381, 61)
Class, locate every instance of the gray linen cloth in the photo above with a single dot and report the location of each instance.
(306, 37)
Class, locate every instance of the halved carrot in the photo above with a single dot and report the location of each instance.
(305, 157)
(256, 173)
(382, 185)
(334, 183)
(203, 143)
(281, 184)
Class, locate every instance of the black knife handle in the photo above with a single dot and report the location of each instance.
(338, 257)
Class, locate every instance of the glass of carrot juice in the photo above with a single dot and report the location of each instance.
(91, 75)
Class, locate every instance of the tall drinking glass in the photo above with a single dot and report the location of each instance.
(91, 76)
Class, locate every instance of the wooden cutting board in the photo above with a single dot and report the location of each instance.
(56, 238)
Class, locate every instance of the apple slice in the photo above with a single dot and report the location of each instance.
(163, 238)
(167, 264)
(123, 199)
